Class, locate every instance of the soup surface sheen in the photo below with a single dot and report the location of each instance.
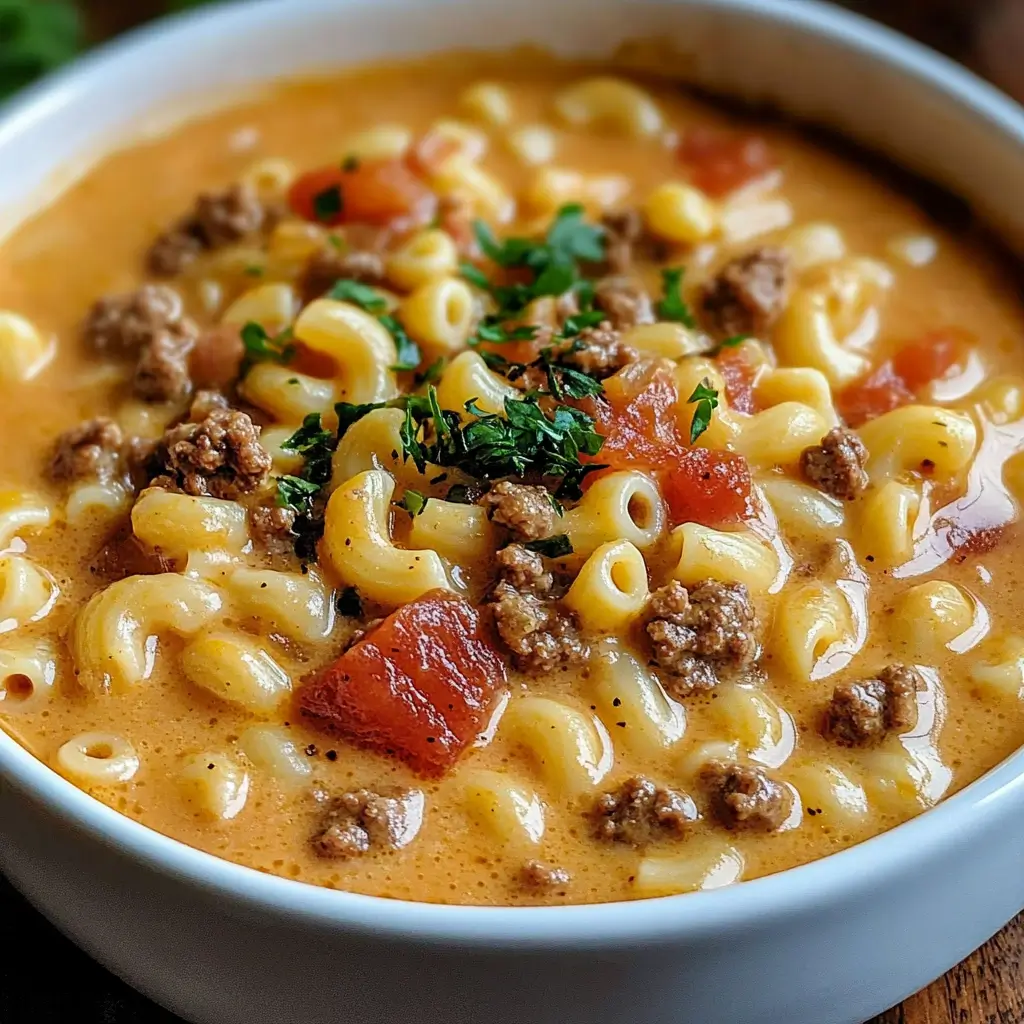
(744, 425)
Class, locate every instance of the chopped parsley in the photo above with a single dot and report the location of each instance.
(733, 340)
(552, 547)
(581, 321)
(413, 502)
(262, 347)
(296, 493)
(328, 204)
(673, 306)
(706, 398)
(474, 275)
(300, 492)
(432, 374)
(407, 351)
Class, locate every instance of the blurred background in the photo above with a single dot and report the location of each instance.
(38, 35)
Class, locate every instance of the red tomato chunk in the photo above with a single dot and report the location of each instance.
(738, 373)
(721, 163)
(707, 487)
(419, 687)
(382, 192)
(900, 380)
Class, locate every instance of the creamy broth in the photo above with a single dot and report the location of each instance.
(92, 242)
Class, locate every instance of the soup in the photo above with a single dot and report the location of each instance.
(504, 482)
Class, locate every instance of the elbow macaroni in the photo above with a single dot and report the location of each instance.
(734, 557)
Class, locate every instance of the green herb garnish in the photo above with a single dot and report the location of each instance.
(362, 295)
(413, 502)
(432, 374)
(706, 398)
(552, 547)
(673, 306)
(734, 340)
(328, 204)
(262, 347)
(408, 352)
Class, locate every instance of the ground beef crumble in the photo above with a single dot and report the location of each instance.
(836, 466)
(124, 323)
(861, 713)
(362, 822)
(742, 796)
(162, 372)
(695, 635)
(541, 636)
(598, 351)
(623, 231)
(271, 528)
(748, 294)
(536, 876)
(524, 510)
(330, 265)
(220, 456)
(90, 451)
(640, 812)
(625, 302)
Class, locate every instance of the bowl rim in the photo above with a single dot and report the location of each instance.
(792, 893)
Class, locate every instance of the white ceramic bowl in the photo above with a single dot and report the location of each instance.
(830, 943)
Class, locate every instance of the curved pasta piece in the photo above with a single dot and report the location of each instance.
(273, 751)
(28, 675)
(572, 750)
(111, 637)
(665, 340)
(802, 510)
(702, 863)
(27, 592)
(729, 557)
(272, 306)
(777, 436)
(611, 588)
(904, 781)
(381, 142)
(440, 315)
(24, 350)
(237, 671)
(937, 617)
(357, 544)
(488, 102)
(510, 811)
(298, 605)
(748, 715)
(814, 244)
(462, 534)
(179, 524)
(467, 378)
(360, 346)
(919, 436)
(289, 396)
(606, 102)
(92, 498)
(829, 796)
(632, 702)
(890, 521)
(680, 213)
(98, 759)
(427, 255)
(485, 193)
(21, 511)
(621, 506)
(998, 671)
(215, 785)
(374, 442)
(815, 631)
(801, 385)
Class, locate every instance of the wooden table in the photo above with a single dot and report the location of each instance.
(67, 986)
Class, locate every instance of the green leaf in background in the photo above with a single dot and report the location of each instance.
(35, 37)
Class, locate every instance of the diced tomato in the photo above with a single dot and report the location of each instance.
(708, 487)
(720, 162)
(419, 687)
(381, 192)
(900, 380)
(933, 357)
(738, 372)
(639, 419)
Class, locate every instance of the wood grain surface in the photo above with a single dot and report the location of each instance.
(987, 988)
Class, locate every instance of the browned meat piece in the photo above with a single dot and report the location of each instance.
(363, 822)
(174, 250)
(221, 457)
(524, 570)
(92, 450)
(330, 265)
(696, 634)
(271, 528)
(836, 466)
(541, 636)
(748, 294)
(598, 351)
(124, 323)
(745, 797)
(525, 511)
(625, 301)
(222, 218)
(639, 812)
(863, 712)
(623, 229)
(218, 219)
(537, 876)
(123, 555)
(162, 372)
(216, 358)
